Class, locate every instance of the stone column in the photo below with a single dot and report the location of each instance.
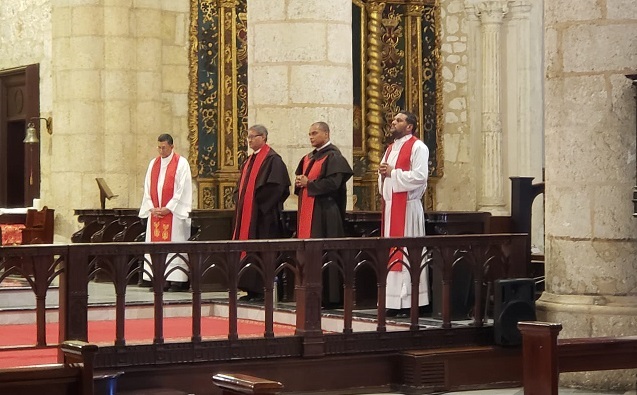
(77, 146)
(491, 196)
(300, 72)
(520, 158)
(119, 94)
(523, 130)
(589, 114)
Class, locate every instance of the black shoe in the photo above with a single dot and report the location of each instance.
(403, 313)
(424, 311)
(391, 312)
(166, 287)
(145, 284)
(177, 286)
(251, 297)
(332, 305)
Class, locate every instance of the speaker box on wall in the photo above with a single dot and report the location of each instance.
(514, 301)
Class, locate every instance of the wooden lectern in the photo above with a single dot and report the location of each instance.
(105, 192)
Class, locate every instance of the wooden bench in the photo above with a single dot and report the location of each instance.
(236, 384)
(544, 357)
(72, 377)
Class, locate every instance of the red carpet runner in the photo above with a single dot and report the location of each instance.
(140, 331)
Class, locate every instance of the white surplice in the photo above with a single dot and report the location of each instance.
(414, 182)
(180, 206)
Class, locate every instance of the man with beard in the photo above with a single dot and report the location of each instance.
(402, 181)
(320, 184)
(259, 196)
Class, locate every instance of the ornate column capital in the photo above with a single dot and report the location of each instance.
(375, 6)
(415, 10)
(492, 12)
(520, 9)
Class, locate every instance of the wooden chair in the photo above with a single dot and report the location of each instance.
(38, 227)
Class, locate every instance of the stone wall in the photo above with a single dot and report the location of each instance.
(300, 59)
(113, 77)
(457, 189)
(120, 79)
(25, 38)
(519, 105)
(590, 172)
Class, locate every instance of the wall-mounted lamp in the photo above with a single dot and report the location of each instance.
(32, 135)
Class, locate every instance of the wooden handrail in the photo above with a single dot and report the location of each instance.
(237, 383)
(544, 356)
(75, 373)
(489, 257)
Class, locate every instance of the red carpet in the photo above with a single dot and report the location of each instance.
(176, 329)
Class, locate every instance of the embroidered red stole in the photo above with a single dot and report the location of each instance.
(399, 199)
(312, 169)
(247, 197)
(162, 228)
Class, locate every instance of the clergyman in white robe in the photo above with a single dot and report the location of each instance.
(180, 205)
(414, 182)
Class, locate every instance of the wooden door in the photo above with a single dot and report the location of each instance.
(19, 162)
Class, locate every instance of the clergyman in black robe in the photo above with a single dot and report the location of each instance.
(262, 189)
(320, 184)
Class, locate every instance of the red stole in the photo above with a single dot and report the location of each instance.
(312, 169)
(162, 228)
(399, 199)
(248, 196)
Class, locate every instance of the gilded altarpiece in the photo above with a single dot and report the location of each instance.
(396, 64)
(218, 98)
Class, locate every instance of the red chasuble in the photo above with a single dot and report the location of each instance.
(399, 199)
(248, 196)
(312, 169)
(162, 228)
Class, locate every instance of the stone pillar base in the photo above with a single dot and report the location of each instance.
(592, 316)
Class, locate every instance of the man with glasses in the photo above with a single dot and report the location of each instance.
(262, 189)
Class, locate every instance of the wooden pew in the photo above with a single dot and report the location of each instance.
(236, 384)
(544, 357)
(72, 377)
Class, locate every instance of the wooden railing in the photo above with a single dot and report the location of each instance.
(489, 257)
(74, 375)
(545, 357)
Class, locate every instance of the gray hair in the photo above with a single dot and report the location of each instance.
(261, 130)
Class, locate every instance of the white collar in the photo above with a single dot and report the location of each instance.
(404, 138)
(324, 145)
(168, 158)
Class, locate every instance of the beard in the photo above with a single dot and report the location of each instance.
(395, 134)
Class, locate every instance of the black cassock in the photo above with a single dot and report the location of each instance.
(330, 200)
(272, 188)
(329, 192)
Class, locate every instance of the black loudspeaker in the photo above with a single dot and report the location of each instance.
(514, 301)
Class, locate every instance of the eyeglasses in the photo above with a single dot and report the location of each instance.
(253, 136)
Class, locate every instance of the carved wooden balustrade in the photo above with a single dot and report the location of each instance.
(488, 256)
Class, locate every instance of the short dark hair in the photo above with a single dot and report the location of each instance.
(322, 125)
(165, 137)
(261, 131)
(411, 119)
